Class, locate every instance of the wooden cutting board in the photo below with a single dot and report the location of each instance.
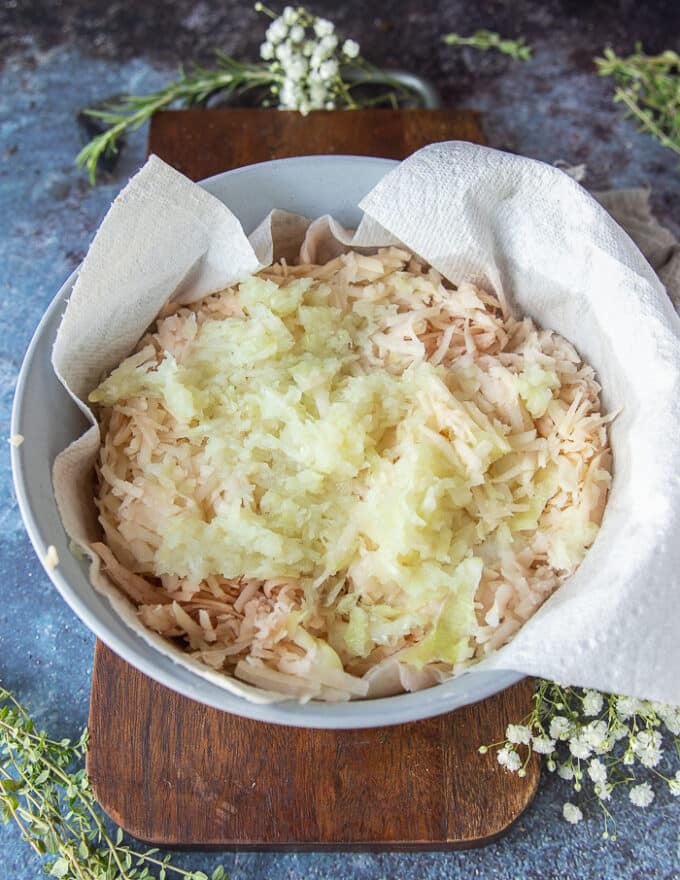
(176, 773)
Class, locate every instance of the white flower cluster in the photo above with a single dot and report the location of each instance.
(596, 739)
(305, 58)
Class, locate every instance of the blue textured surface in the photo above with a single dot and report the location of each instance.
(552, 109)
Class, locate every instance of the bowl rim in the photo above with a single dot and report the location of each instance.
(375, 712)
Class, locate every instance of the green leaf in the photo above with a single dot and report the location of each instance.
(59, 868)
(42, 777)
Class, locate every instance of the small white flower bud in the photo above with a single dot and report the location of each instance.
(266, 51)
(328, 44)
(518, 733)
(328, 70)
(641, 795)
(284, 52)
(350, 48)
(572, 813)
(277, 31)
(323, 27)
(289, 15)
(592, 702)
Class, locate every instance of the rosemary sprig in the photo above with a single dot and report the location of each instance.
(649, 87)
(230, 76)
(304, 67)
(485, 40)
(45, 790)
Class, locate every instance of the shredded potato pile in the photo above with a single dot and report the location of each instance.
(329, 469)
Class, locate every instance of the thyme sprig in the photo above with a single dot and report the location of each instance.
(485, 40)
(45, 790)
(649, 88)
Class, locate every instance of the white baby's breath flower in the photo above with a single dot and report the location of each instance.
(543, 745)
(618, 731)
(329, 105)
(592, 702)
(318, 94)
(297, 33)
(304, 107)
(518, 733)
(328, 69)
(509, 759)
(641, 795)
(670, 715)
(626, 707)
(560, 727)
(290, 95)
(565, 771)
(328, 45)
(580, 748)
(323, 27)
(572, 813)
(308, 49)
(595, 734)
(289, 15)
(266, 51)
(350, 48)
(277, 31)
(597, 770)
(296, 68)
(674, 785)
(603, 791)
(284, 52)
(647, 747)
(316, 59)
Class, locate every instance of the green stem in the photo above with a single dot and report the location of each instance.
(646, 119)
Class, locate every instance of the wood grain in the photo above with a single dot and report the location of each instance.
(174, 772)
(201, 143)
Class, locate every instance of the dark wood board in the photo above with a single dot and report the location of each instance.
(201, 143)
(176, 773)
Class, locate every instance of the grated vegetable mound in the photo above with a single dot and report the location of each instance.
(329, 470)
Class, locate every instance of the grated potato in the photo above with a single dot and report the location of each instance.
(330, 467)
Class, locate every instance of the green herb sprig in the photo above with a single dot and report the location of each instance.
(485, 40)
(649, 87)
(45, 790)
(189, 89)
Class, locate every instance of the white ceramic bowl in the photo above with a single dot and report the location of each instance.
(49, 420)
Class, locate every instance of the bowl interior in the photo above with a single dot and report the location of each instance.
(49, 420)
